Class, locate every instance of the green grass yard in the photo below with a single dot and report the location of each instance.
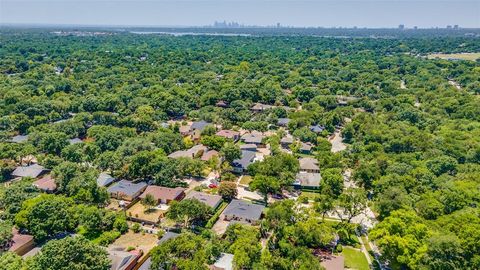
(355, 259)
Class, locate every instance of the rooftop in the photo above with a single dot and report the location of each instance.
(283, 121)
(229, 134)
(225, 261)
(162, 193)
(306, 179)
(19, 139)
(46, 183)
(127, 187)
(200, 125)
(210, 200)
(190, 153)
(28, 171)
(246, 159)
(308, 163)
(104, 179)
(244, 209)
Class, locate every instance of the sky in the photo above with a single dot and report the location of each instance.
(324, 13)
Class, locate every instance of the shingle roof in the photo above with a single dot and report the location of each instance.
(245, 160)
(283, 121)
(229, 134)
(19, 240)
(244, 210)
(308, 164)
(200, 125)
(225, 261)
(317, 128)
(287, 140)
(162, 193)
(127, 187)
(104, 179)
(75, 141)
(19, 138)
(248, 146)
(121, 259)
(28, 171)
(306, 179)
(190, 153)
(208, 155)
(252, 138)
(208, 199)
(46, 183)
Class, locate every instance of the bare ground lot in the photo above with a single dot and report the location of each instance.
(140, 241)
(463, 56)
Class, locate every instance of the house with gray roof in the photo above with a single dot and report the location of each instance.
(195, 151)
(307, 180)
(224, 262)
(75, 141)
(317, 128)
(211, 200)
(199, 125)
(104, 179)
(306, 148)
(19, 139)
(33, 171)
(248, 147)
(241, 164)
(126, 190)
(253, 138)
(243, 212)
(122, 259)
(283, 122)
(309, 164)
(286, 141)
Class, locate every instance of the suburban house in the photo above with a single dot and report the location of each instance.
(248, 147)
(209, 155)
(286, 141)
(19, 139)
(229, 134)
(32, 171)
(46, 184)
(20, 243)
(75, 141)
(307, 180)
(104, 179)
(243, 211)
(306, 148)
(253, 138)
(283, 122)
(211, 200)
(317, 128)
(184, 130)
(241, 164)
(126, 190)
(164, 195)
(224, 262)
(122, 259)
(308, 164)
(259, 107)
(221, 104)
(200, 125)
(194, 152)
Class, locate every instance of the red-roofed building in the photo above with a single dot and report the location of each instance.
(46, 184)
(229, 134)
(21, 243)
(164, 194)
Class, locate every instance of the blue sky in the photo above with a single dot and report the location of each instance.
(327, 13)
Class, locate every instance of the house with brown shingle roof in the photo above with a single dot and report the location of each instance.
(208, 199)
(229, 134)
(308, 164)
(46, 184)
(164, 194)
(21, 243)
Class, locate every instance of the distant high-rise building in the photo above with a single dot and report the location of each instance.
(278, 25)
(401, 26)
(449, 27)
(415, 27)
(456, 27)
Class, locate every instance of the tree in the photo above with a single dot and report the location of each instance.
(11, 261)
(46, 215)
(185, 252)
(70, 253)
(352, 202)
(231, 152)
(188, 211)
(444, 252)
(213, 142)
(149, 202)
(332, 182)
(228, 190)
(265, 185)
(5, 233)
(323, 204)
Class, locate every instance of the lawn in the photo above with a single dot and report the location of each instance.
(138, 211)
(355, 259)
(311, 195)
(246, 179)
(463, 56)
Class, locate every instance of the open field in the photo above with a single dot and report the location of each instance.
(246, 179)
(355, 259)
(462, 56)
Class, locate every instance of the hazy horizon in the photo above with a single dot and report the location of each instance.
(320, 13)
